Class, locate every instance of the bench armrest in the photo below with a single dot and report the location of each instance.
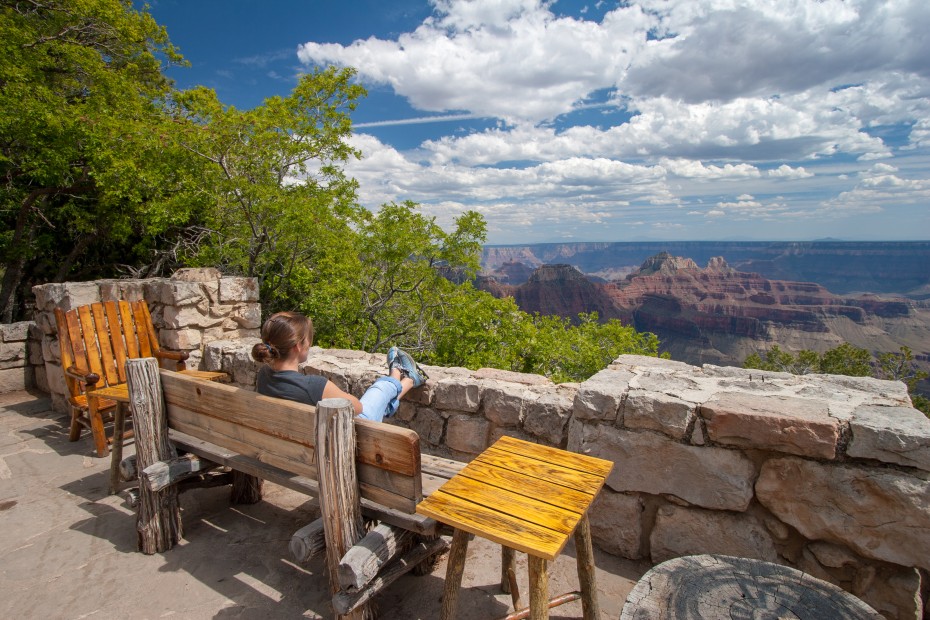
(89, 378)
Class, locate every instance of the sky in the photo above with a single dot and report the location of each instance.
(575, 120)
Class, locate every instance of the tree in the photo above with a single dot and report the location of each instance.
(282, 207)
(87, 180)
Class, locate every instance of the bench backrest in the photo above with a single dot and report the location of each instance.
(282, 434)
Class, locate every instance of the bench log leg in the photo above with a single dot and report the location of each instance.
(246, 489)
(454, 570)
(584, 553)
(539, 588)
(158, 521)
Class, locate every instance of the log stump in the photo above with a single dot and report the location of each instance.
(158, 520)
(718, 587)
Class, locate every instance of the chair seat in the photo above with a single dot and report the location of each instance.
(80, 401)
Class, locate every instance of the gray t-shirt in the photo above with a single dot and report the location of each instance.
(290, 385)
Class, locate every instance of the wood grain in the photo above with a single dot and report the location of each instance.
(571, 460)
(495, 526)
(570, 499)
(555, 474)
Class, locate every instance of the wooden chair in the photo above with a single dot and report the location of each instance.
(96, 340)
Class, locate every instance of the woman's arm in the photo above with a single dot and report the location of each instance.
(331, 391)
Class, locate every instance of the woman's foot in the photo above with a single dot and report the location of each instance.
(400, 360)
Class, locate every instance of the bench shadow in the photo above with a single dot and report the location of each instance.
(241, 553)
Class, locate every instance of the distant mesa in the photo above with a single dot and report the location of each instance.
(716, 314)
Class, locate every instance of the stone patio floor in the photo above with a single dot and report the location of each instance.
(68, 549)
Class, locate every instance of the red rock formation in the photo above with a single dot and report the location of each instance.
(718, 314)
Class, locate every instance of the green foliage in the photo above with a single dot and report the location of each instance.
(283, 210)
(847, 360)
(87, 178)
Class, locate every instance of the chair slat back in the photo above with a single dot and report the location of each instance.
(103, 344)
(140, 313)
(100, 337)
(132, 344)
(117, 339)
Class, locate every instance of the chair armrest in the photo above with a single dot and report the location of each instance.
(90, 378)
(178, 356)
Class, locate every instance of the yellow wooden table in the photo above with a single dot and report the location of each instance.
(526, 497)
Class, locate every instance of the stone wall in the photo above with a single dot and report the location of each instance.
(17, 353)
(827, 474)
(190, 309)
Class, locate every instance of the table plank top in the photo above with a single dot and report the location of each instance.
(522, 495)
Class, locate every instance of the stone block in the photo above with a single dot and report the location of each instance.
(132, 290)
(233, 290)
(109, 290)
(34, 352)
(503, 403)
(14, 332)
(781, 423)
(457, 395)
(690, 385)
(247, 316)
(691, 531)
(650, 463)
(834, 556)
(616, 523)
(893, 592)
(546, 414)
(599, 397)
(55, 378)
(176, 317)
(65, 295)
(180, 339)
(174, 292)
(508, 431)
(494, 374)
(429, 425)
(51, 349)
(649, 361)
(12, 354)
(45, 321)
(196, 274)
(658, 412)
(15, 379)
(466, 433)
(40, 378)
(879, 513)
(891, 434)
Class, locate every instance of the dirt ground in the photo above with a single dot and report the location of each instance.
(68, 549)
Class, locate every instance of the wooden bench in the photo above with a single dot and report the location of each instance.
(306, 449)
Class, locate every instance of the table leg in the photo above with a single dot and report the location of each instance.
(539, 588)
(585, 557)
(454, 570)
(508, 562)
(116, 454)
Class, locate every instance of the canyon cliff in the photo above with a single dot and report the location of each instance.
(720, 315)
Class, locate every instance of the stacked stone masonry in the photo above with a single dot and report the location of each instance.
(190, 309)
(19, 355)
(827, 474)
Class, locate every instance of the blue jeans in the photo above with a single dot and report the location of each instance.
(381, 399)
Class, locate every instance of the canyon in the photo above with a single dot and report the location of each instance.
(720, 315)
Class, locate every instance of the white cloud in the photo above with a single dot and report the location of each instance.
(718, 98)
(785, 171)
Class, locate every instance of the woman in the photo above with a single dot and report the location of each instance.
(286, 341)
